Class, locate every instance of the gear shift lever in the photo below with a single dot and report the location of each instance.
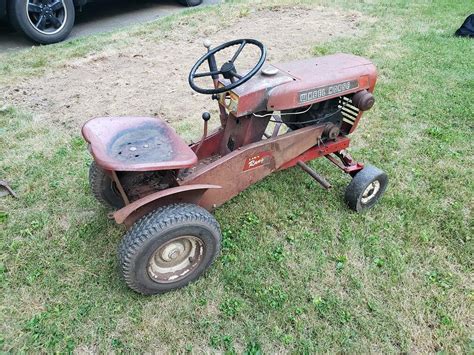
(206, 116)
(207, 43)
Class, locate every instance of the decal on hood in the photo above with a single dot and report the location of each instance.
(330, 90)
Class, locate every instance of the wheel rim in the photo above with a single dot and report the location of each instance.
(176, 259)
(47, 16)
(370, 192)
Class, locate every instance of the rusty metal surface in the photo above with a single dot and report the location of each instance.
(318, 151)
(136, 144)
(243, 167)
(320, 79)
(183, 173)
(196, 189)
(236, 155)
(322, 181)
(210, 146)
(346, 163)
(9, 191)
(253, 95)
(120, 188)
(203, 139)
(242, 131)
(138, 184)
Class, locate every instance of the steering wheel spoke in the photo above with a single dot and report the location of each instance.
(235, 75)
(210, 73)
(241, 48)
(228, 70)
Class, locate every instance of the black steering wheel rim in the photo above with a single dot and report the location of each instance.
(243, 79)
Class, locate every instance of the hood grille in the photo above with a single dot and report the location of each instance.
(349, 111)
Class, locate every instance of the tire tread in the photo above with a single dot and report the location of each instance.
(158, 221)
(98, 181)
(358, 184)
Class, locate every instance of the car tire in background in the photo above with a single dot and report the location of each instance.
(190, 2)
(44, 22)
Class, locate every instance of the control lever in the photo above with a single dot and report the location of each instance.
(211, 61)
(206, 116)
(207, 43)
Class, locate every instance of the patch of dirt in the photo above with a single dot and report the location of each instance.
(149, 77)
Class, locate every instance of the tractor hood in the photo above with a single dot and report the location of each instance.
(301, 83)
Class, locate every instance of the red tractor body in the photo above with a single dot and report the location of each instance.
(320, 100)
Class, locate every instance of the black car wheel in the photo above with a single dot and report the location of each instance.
(43, 21)
(190, 2)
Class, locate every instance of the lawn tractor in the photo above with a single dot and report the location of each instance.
(272, 117)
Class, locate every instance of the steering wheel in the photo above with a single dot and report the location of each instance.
(228, 70)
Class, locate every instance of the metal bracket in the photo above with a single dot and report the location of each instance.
(276, 129)
(345, 162)
(120, 188)
(322, 181)
(4, 186)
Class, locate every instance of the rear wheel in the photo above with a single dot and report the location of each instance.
(104, 188)
(190, 2)
(43, 21)
(366, 188)
(169, 248)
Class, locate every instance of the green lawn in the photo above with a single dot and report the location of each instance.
(299, 272)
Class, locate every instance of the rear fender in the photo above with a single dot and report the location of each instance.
(184, 194)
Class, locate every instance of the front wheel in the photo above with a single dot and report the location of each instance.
(190, 2)
(43, 21)
(169, 248)
(366, 188)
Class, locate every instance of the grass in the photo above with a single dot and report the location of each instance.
(299, 272)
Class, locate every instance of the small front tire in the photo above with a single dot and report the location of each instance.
(366, 188)
(169, 248)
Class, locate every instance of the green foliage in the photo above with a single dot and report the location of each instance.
(299, 272)
(231, 307)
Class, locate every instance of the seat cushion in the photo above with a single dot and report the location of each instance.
(136, 144)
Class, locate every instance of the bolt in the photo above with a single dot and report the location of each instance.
(174, 254)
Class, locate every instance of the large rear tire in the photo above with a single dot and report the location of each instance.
(103, 188)
(169, 248)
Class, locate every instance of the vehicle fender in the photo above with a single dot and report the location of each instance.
(184, 194)
(80, 2)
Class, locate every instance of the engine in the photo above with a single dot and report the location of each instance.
(338, 115)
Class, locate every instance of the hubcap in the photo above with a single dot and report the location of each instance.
(370, 192)
(47, 16)
(175, 259)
